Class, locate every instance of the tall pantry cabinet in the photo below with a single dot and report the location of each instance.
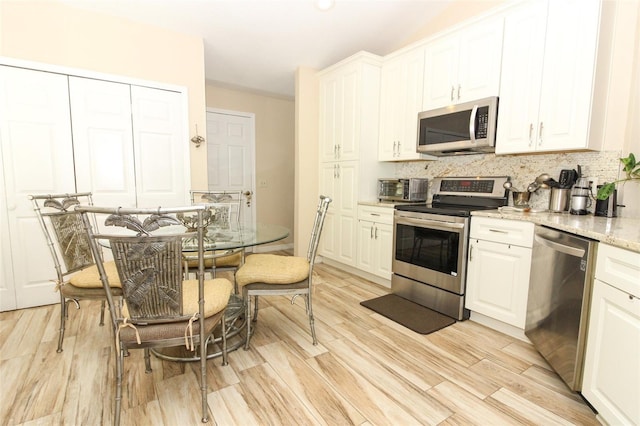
(64, 133)
(348, 141)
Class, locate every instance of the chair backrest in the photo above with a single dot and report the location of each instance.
(227, 206)
(321, 212)
(148, 259)
(63, 230)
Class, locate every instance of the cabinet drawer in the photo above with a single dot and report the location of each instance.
(619, 268)
(504, 231)
(376, 214)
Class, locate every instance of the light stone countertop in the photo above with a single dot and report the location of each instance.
(389, 204)
(618, 231)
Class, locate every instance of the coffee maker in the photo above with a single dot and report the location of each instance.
(609, 206)
(580, 196)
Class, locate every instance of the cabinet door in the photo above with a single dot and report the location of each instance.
(103, 140)
(348, 121)
(347, 181)
(401, 101)
(366, 260)
(160, 151)
(329, 187)
(480, 60)
(441, 72)
(391, 108)
(503, 295)
(611, 381)
(568, 75)
(383, 235)
(37, 158)
(522, 60)
(328, 120)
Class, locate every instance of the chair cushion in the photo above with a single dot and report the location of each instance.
(272, 269)
(90, 278)
(234, 259)
(216, 297)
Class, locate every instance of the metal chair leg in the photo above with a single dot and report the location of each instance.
(102, 305)
(248, 320)
(147, 359)
(119, 368)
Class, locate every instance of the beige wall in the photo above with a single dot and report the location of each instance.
(306, 156)
(274, 155)
(53, 33)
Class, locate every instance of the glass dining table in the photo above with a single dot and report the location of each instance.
(226, 241)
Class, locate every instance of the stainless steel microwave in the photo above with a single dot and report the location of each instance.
(465, 128)
(404, 190)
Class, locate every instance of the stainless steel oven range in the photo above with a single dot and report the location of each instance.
(430, 242)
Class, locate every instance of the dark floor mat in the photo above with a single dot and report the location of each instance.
(409, 314)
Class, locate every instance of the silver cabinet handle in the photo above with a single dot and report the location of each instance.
(458, 92)
(338, 166)
(540, 133)
(500, 231)
(452, 90)
(371, 232)
(376, 232)
(530, 134)
(398, 148)
(470, 252)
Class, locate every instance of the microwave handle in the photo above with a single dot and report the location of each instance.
(472, 124)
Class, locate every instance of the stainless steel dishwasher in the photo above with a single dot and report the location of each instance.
(559, 298)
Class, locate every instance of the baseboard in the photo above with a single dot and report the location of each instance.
(500, 326)
(355, 271)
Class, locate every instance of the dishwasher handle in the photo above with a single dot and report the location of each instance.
(562, 248)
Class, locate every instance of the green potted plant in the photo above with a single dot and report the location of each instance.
(632, 171)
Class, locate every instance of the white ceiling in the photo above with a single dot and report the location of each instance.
(258, 44)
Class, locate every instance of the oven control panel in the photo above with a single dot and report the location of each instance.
(470, 186)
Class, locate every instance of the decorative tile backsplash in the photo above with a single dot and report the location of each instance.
(523, 169)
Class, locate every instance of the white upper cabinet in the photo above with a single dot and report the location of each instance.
(341, 100)
(548, 76)
(464, 65)
(401, 88)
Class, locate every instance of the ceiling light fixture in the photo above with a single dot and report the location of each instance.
(325, 4)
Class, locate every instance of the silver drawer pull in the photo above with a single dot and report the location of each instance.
(500, 231)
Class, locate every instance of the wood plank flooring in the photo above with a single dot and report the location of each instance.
(366, 370)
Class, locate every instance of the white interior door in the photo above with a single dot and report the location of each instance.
(103, 141)
(161, 149)
(230, 156)
(37, 158)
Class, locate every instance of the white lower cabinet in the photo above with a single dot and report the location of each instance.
(375, 240)
(498, 269)
(611, 381)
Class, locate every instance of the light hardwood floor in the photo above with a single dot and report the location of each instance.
(366, 370)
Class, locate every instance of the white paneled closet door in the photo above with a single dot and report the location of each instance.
(103, 140)
(161, 148)
(37, 158)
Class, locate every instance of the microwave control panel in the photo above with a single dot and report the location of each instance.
(482, 122)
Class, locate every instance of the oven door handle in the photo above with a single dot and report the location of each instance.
(433, 224)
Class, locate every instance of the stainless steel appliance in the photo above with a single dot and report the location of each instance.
(411, 190)
(580, 196)
(559, 298)
(430, 242)
(465, 128)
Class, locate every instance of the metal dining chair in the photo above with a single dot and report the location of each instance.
(227, 207)
(159, 308)
(275, 275)
(77, 276)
